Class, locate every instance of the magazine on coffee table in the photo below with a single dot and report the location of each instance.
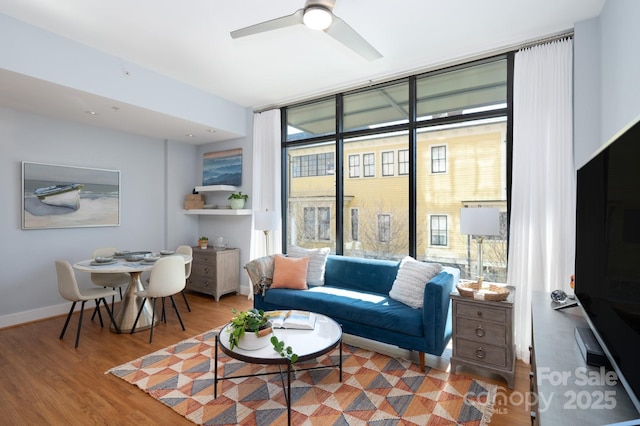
(301, 320)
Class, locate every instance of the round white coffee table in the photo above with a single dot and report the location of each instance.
(307, 344)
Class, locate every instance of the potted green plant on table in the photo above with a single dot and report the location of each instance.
(203, 242)
(251, 329)
(238, 199)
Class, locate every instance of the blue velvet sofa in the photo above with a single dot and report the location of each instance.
(356, 295)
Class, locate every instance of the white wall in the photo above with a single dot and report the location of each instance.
(620, 35)
(607, 70)
(586, 96)
(181, 174)
(237, 230)
(155, 175)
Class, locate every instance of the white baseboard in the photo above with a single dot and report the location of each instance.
(35, 314)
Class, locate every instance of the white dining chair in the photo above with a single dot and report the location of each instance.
(187, 250)
(68, 288)
(113, 280)
(167, 279)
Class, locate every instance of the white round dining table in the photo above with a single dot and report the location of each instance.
(126, 311)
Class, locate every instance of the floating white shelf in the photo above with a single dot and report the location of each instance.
(219, 212)
(210, 188)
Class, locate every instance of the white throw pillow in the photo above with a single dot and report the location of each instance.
(411, 280)
(317, 262)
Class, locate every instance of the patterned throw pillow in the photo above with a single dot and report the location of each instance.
(411, 280)
(317, 262)
(289, 272)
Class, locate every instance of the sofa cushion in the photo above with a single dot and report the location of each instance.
(317, 262)
(375, 310)
(412, 277)
(372, 275)
(290, 272)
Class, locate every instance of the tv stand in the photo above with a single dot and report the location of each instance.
(561, 386)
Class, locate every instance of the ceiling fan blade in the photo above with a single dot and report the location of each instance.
(346, 35)
(274, 24)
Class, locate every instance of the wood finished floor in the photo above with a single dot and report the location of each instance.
(45, 381)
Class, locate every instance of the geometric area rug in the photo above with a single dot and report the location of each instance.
(376, 389)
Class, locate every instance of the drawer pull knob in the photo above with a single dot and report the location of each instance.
(480, 331)
(479, 313)
(206, 270)
(480, 353)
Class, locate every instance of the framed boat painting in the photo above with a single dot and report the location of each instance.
(56, 196)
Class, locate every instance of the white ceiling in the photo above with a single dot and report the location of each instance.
(189, 41)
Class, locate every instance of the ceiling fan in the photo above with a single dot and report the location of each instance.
(317, 15)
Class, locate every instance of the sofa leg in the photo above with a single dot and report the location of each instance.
(421, 356)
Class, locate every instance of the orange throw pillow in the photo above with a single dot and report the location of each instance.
(290, 272)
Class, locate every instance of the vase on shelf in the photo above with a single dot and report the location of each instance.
(237, 203)
(237, 200)
(220, 244)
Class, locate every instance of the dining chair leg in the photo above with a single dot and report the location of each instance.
(113, 321)
(135, 323)
(80, 322)
(99, 313)
(95, 311)
(66, 323)
(177, 312)
(93, 316)
(186, 302)
(113, 302)
(163, 317)
(153, 318)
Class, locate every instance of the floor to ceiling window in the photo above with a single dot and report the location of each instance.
(383, 172)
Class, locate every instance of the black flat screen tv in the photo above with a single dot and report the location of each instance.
(607, 268)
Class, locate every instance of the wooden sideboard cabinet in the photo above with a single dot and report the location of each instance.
(215, 272)
(483, 335)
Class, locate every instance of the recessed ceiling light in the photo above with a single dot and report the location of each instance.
(91, 112)
(190, 135)
(211, 130)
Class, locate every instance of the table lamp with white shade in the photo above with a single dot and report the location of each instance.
(480, 222)
(265, 221)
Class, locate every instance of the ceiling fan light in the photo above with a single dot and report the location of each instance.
(317, 18)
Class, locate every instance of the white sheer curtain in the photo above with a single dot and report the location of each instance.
(266, 178)
(542, 232)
